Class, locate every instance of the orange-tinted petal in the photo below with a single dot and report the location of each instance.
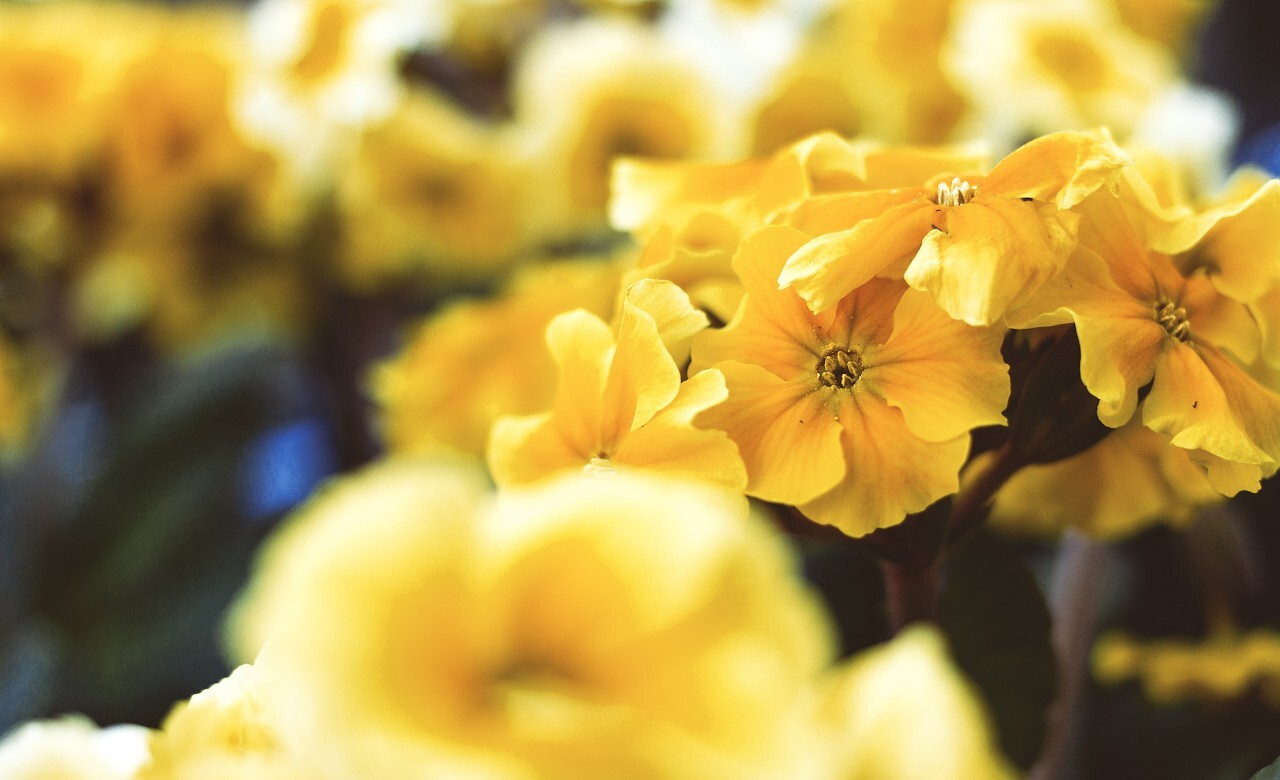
(786, 432)
(890, 471)
(946, 377)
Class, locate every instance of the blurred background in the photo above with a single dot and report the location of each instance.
(247, 247)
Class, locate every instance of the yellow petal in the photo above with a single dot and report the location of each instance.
(773, 328)
(994, 252)
(526, 449)
(672, 312)
(642, 377)
(671, 444)
(944, 376)
(1060, 167)
(1219, 320)
(582, 346)
(1188, 403)
(787, 435)
(844, 210)
(831, 266)
(890, 472)
(903, 710)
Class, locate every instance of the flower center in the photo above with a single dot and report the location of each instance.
(839, 367)
(1174, 319)
(957, 193)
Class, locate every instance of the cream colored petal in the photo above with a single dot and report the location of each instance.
(890, 472)
(830, 267)
(993, 253)
(944, 376)
(902, 710)
(1060, 167)
(786, 433)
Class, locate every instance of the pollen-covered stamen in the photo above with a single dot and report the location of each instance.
(957, 193)
(1173, 318)
(839, 367)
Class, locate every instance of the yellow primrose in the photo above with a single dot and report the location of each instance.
(619, 401)
(225, 731)
(886, 54)
(902, 711)
(1139, 321)
(1225, 665)
(590, 92)
(1032, 68)
(1129, 481)
(72, 748)
(859, 415)
(622, 627)
(976, 244)
(435, 393)
(1235, 241)
(432, 193)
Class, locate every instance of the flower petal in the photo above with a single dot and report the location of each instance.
(831, 266)
(1060, 167)
(642, 376)
(786, 432)
(994, 252)
(672, 312)
(944, 376)
(583, 347)
(526, 449)
(891, 472)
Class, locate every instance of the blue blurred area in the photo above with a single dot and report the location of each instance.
(282, 467)
(1261, 150)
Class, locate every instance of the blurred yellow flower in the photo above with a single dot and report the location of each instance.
(620, 404)
(435, 195)
(72, 748)
(435, 393)
(903, 711)
(621, 627)
(1033, 68)
(226, 731)
(1225, 665)
(591, 92)
(859, 415)
(1139, 321)
(976, 244)
(317, 70)
(1130, 480)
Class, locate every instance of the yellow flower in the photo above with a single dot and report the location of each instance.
(317, 71)
(1235, 241)
(1139, 321)
(619, 401)
(1032, 68)
(1226, 665)
(227, 731)
(58, 63)
(903, 711)
(622, 627)
(72, 748)
(169, 144)
(886, 55)
(859, 415)
(1128, 481)
(473, 361)
(591, 92)
(432, 193)
(976, 244)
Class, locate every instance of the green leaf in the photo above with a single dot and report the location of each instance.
(998, 625)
